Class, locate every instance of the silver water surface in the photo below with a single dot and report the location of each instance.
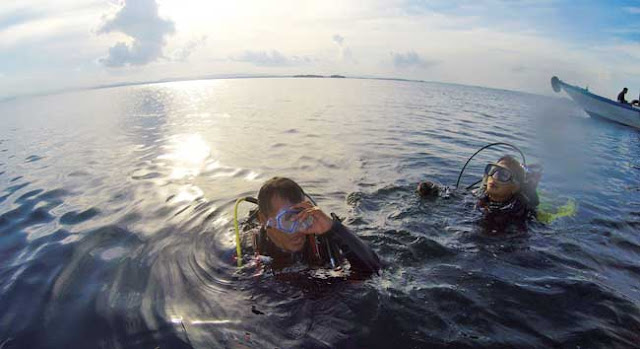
(116, 208)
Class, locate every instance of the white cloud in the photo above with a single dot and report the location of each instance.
(44, 49)
(632, 10)
(271, 58)
(519, 69)
(139, 20)
(37, 29)
(338, 39)
(182, 53)
(345, 55)
(411, 59)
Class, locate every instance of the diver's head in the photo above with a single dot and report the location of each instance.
(428, 189)
(275, 195)
(624, 90)
(504, 178)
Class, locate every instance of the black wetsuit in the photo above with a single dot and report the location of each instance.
(330, 250)
(516, 210)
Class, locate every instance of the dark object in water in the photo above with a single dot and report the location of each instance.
(428, 189)
(256, 311)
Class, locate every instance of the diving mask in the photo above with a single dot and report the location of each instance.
(285, 221)
(499, 173)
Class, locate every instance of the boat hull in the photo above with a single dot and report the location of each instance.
(599, 107)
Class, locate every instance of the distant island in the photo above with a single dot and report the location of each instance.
(336, 76)
(319, 76)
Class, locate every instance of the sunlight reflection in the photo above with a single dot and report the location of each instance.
(180, 319)
(214, 322)
(221, 221)
(188, 154)
(188, 194)
(252, 176)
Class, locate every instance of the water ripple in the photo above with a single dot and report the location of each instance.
(116, 230)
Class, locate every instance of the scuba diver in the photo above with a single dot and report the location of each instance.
(507, 192)
(294, 230)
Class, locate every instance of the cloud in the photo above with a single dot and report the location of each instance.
(182, 53)
(271, 58)
(16, 17)
(139, 20)
(519, 69)
(347, 55)
(410, 59)
(632, 10)
(344, 52)
(480, 42)
(338, 39)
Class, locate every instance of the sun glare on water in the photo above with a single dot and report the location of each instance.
(188, 155)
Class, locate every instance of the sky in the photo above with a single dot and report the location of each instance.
(509, 44)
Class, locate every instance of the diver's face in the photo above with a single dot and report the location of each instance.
(501, 191)
(286, 241)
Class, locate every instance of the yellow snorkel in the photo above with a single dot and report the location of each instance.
(237, 227)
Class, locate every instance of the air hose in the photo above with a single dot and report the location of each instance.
(524, 161)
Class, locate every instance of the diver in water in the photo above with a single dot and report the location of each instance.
(293, 230)
(506, 194)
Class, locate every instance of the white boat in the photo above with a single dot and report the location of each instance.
(597, 106)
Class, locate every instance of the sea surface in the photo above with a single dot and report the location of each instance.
(116, 218)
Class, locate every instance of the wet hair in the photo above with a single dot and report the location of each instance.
(515, 167)
(625, 89)
(428, 189)
(278, 186)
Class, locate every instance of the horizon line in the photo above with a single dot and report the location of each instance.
(239, 76)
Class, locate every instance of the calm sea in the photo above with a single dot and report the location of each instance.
(116, 218)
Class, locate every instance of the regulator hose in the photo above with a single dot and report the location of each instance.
(524, 161)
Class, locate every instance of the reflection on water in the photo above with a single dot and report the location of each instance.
(116, 206)
(187, 154)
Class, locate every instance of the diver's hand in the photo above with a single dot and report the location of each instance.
(321, 222)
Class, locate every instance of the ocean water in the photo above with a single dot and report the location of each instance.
(116, 218)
